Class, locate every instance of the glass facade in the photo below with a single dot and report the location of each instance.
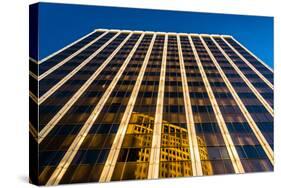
(124, 105)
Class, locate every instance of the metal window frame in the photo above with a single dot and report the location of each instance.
(250, 120)
(54, 88)
(237, 165)
(153, 170)
(193, 144)
(245, 79)
(249, 65)
(44, 132)
(118, 140)
(73, 149)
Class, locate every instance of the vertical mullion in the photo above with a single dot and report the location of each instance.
(50, 125)
(153, 171)
(226, 136)
(193, 144)
(247, 115)
(73, 149)
(118, 140)
(249, 64)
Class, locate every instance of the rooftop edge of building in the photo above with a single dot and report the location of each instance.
(125, 30)
(169, 33)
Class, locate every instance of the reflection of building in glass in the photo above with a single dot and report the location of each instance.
(180, 155)
(120, 105)
(139, 124)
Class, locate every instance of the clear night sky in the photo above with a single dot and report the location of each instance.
(61, 24)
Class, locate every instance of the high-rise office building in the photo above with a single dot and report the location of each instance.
(120, 105)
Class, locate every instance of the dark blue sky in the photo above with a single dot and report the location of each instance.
(61, 24)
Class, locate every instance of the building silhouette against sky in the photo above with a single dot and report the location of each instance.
(120, 105)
